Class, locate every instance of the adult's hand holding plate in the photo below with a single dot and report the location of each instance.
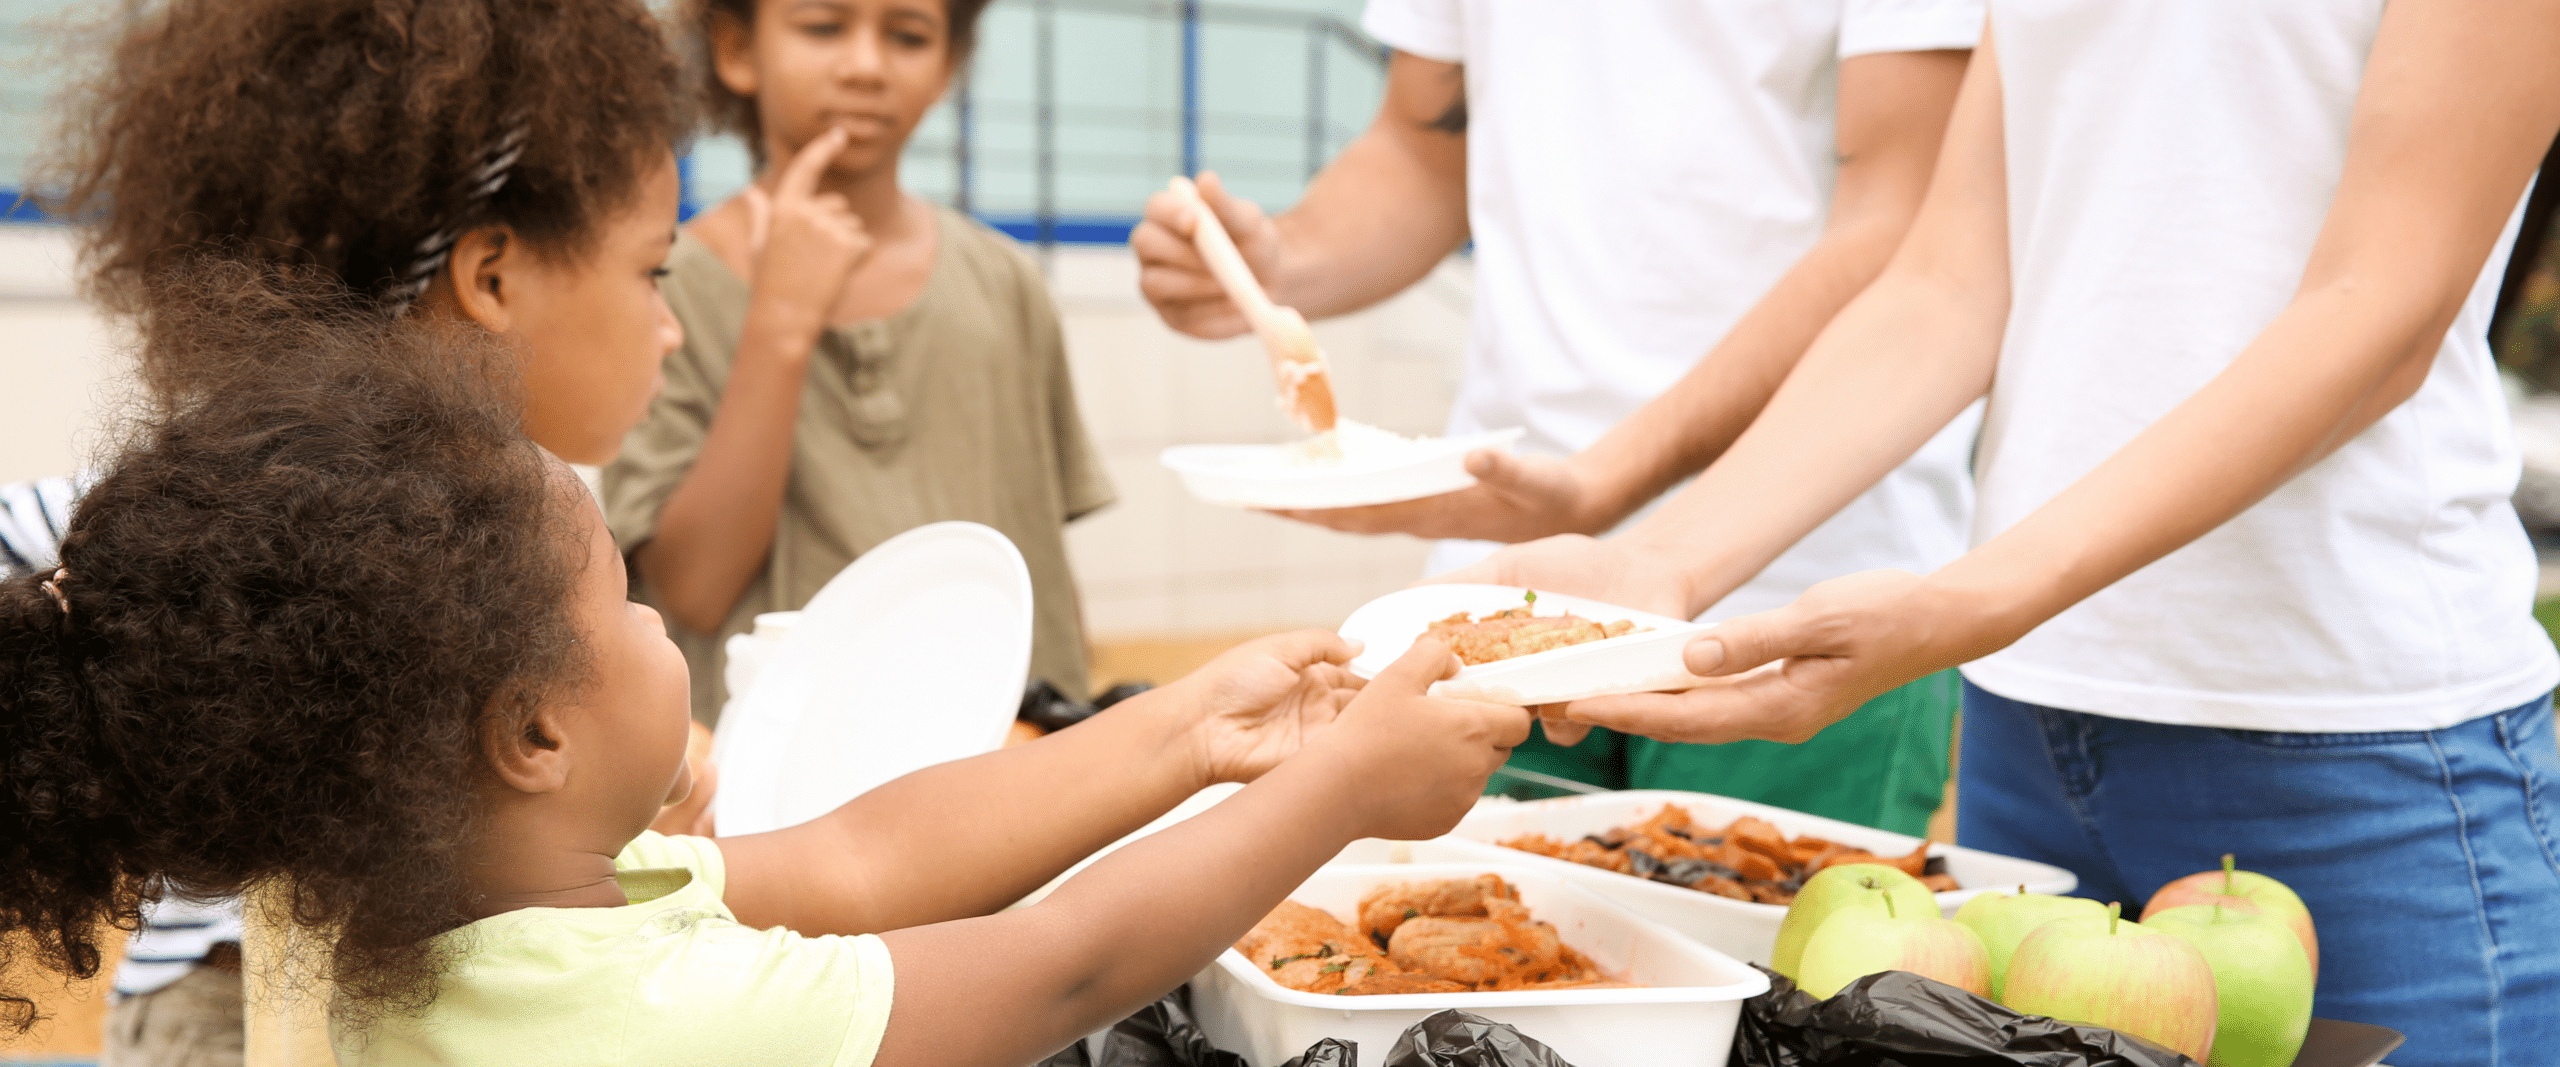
(1515, 498)
(1783, 675)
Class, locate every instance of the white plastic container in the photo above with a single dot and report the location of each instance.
(1737, 928)
(1683, 1018)
(1261, 476)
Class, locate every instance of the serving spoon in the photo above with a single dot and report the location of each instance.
(1306, 382)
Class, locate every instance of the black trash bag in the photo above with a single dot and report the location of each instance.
(1050, 710)
(1453, 1038)
(1897, 1019)
(1330, 1052)
(1164, 1034)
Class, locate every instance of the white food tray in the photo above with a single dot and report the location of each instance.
(1261, 476)
(1741, 929)
(1635, 663)
(1684, 1018)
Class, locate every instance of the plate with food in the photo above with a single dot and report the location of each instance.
(1350, 465)
(1525, 647)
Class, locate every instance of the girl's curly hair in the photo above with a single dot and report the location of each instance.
(729, 112)
(341, 134)
(292, 603)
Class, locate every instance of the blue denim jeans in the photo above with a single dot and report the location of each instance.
(2428, 857)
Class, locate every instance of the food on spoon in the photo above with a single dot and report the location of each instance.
(1451, 936)
(1746, 860)
(1520, 631)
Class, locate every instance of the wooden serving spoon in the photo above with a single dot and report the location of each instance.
(1306, 383)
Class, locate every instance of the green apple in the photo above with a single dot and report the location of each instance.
(2261, 980)
(2113, 972)
(2004, 918)
(2247, 887)
(1833, 888)
(1856, 942)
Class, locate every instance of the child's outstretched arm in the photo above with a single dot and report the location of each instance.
(1008, 989)
(969, 837)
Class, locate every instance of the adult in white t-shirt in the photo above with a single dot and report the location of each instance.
(2247, 577)
(1663, 195)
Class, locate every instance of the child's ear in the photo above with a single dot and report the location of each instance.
(526, 753)
(482, 263)
(733, 53)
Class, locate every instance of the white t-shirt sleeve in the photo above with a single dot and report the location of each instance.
(1432, 29)
(1871, 26)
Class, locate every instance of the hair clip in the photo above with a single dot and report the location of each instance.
(53, 586)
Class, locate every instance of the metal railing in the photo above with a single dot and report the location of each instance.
(1117, 149)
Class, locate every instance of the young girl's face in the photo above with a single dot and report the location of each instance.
(597, 328)
(873, 67)
(637, 700)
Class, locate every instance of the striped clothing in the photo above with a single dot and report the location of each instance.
(175, 933)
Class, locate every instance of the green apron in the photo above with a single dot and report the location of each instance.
(1884, 766)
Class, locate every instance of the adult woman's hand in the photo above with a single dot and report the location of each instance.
(1515, 498)
(1783, 675)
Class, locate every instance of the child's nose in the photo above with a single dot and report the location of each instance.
(863, 54)
(670, 330)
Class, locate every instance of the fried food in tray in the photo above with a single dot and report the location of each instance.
(1456, 936)
(1520, 631)
(1748, 859)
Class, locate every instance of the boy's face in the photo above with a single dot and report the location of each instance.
(636, 703)
(873, 67)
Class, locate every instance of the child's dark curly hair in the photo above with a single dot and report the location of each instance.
(729, 112)
(285, 615)
(343, 133)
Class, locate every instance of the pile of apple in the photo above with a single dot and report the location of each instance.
(2220, 967)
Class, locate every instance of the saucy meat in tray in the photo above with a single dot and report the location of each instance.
(1455, 936)
(1748, 859)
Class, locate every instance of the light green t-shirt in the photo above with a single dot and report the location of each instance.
(670, 978)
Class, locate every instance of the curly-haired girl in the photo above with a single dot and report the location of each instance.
(507, 163)
(347, 630)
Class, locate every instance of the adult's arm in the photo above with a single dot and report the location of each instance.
(2457, 103)
(1905, 356)
(717, 526)
(1893, 111)
(1377, 219)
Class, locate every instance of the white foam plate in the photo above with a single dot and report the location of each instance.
(1636, 663)
(870, 684)
(1261, 476)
